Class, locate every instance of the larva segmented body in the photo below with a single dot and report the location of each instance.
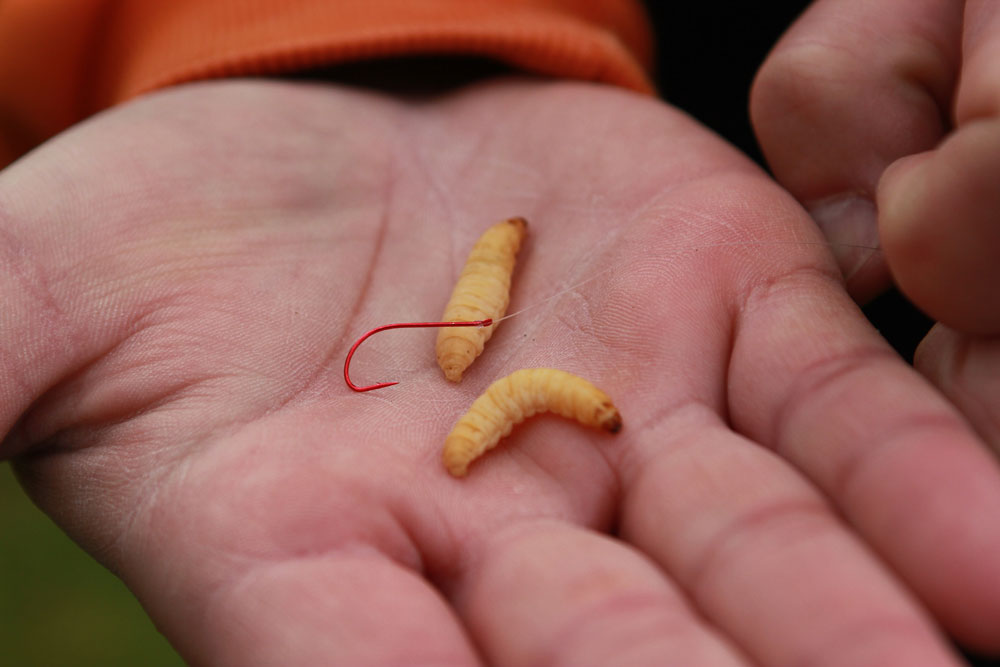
(513, 399)
(482, 291)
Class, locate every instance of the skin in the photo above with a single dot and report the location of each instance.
(185, 273)
(883, 118)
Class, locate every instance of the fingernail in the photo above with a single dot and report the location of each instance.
(850, 223)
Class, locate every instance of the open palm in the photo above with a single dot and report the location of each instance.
(186, 273)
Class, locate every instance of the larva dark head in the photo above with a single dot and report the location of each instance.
(609, 418)
(519, 221)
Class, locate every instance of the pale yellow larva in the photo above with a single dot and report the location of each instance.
(513, 399)
(482, 291)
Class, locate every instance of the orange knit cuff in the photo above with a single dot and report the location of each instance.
(62, 61)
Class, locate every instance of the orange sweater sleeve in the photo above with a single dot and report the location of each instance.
(62, 60)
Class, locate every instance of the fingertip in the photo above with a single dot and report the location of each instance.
(910, 240)
(900, 199)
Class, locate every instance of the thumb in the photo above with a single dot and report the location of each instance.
(41, 337)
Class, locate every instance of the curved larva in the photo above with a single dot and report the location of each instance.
(513, 399)
(482, 291)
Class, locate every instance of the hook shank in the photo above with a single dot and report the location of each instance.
(399, 325)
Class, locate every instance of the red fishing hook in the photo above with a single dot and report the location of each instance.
(399, 325)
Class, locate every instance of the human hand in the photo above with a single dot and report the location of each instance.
(896, 103)
(184, 274)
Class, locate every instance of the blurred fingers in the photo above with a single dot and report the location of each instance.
(938, 210)
(853, 86)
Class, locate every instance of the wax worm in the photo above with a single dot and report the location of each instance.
(482, 291)
(513, 399)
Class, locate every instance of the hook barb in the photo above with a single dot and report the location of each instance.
(399, 325)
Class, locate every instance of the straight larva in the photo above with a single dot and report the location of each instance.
(482, 291)
(513, 399)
